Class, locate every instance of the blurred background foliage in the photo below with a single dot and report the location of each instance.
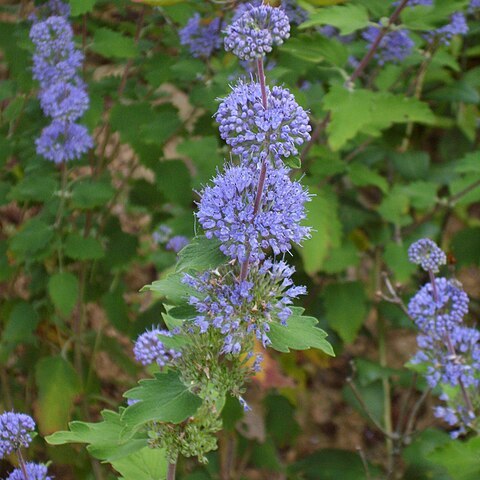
(397, 161)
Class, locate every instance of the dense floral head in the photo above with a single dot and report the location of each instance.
(149, 348)
(414, 3)
(457, 26)
(249, 128)
(63, 141)
(474, 5)
(176, 243)
(201, 36)
(15, 432)
(394, 47)
(444, 367)
(255, 33)
(35, 471)
(243, 310)
(226, 211)
(56, 59)
(295, 13)
(440, 316)
(427, 254)
(64, 101)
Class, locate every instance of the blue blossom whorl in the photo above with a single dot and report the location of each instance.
(250, 129)
(226, 211)
(256, 32)
(15, 432)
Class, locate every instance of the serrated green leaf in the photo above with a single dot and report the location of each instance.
(357, 111)
(58, 385)
(461, 459)
(346, 308)
(112, 44)
(91, 194)
(362, 176)
(322, 216)
(170, 288)
(317, 50)
(146, 464)
(300, 333)
(63, 289)
(78, 247)
(201, 254)
(104, 438)
(164, 399)
(347, 18)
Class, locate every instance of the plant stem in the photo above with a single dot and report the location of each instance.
(172, 467)
(22, 464)
(263, 169)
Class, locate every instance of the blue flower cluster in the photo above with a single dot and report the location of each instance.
(15, 432)
(255, 33)
(250, 129)
(202, 36)
(239, 309)
(457, 26)
(394, 47)
(149, 348)
(427, 254)
(449, 350)
(227, 211)
(439, 307)
(62, 93)
(35, 471)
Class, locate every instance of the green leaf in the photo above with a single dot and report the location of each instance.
(112, 44)
(322, 216)
(165, 125)
(333, 465)
(63, 289)
(204, 154)
(78, 247)
(397, 260)
(394, 207)
(466, 246)
(30, 189)
(362, 176)
(104, 438)
(461, 459)
(346, 308)
(201, 254)
(58, 385)
(347, 18)
(300, 333)
(21, 324)
(34, 236)
(317, 50)
(146, 464)
(170, 288)
(91, 194)
(79, 7)
(363, 111)
(164, 399)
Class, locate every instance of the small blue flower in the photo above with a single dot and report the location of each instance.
(201, 36)
(15, 432)
(427, 254)
(394, 47)
(149, 348)
(226, 211)
(441, 316)
(35, 471)
(256, 32)
(251, 130)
